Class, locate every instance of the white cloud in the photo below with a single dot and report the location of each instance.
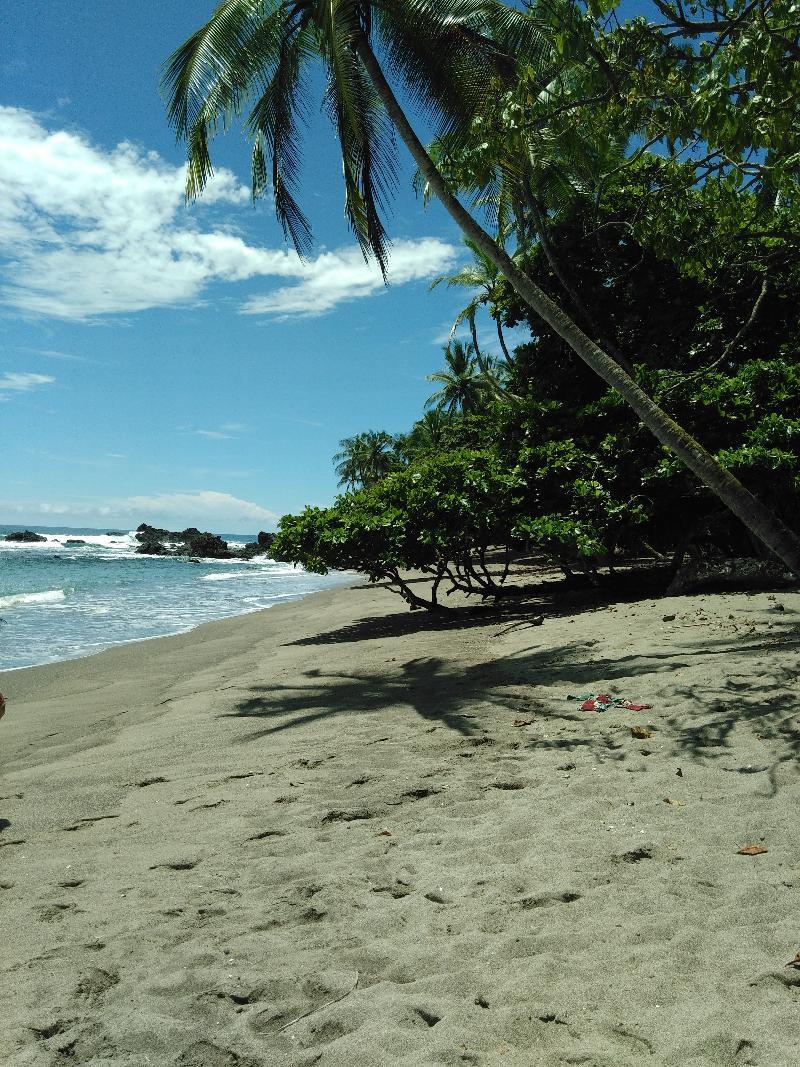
(204, 508)
(87, 232)
(19, 382)
(334, 277)
(213, 435)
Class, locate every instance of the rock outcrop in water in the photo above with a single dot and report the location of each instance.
(25, 536)
(153, 541)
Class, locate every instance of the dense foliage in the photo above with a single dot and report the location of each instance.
(641, 177)
(549, 459)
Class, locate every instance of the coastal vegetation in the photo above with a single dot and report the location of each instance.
(638, 182)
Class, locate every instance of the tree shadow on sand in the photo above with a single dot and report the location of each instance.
(464, 699)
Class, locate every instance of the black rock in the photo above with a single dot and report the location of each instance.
(24, 535)
(152, 548)
(153, 533)
(74, 541)
(206, 545)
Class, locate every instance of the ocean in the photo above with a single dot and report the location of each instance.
(60, 601)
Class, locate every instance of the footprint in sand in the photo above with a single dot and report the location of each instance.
(175, 865)
(50, 912)
(348, 815)
(95, 984)
(206, 1054)
(420, 793)
(293, 1000)
(263, 834)
(546, 900)
(82, 824)
(52, 1029)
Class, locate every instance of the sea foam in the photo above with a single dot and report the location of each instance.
(19, 599)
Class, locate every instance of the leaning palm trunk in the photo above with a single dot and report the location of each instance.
(765, 525)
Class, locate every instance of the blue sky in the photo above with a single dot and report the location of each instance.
(176, 365)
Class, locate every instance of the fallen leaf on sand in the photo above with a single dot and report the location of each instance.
(523, 722)
(795, 962)
(675, 803)
(641, 732)
(752, 850)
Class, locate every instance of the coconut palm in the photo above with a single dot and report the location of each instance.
(483, 278)
(364, 459)
(428, 434)
(463, 383)
(253, 58)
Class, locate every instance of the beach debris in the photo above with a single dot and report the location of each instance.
(319, 1007)
(795, 962)
(641, 732)
(384, 833)
(524, 722)
(604, 701)
(679, 773)
(2, 705)
(752, 850)
(537, 620)
(675, 803)
(668, 618)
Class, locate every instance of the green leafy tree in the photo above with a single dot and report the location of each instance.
(440, 516)
(452, 56)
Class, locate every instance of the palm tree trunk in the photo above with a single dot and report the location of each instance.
(766, 526)
(473, 330)
(502, 341)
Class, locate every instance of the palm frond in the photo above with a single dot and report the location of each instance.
(208, 79)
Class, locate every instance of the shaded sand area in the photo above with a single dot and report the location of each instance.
(340, 833)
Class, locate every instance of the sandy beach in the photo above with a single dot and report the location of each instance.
(341, 833)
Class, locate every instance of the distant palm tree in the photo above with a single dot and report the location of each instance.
(485, 278)
(427, 434)
(463, 384)
(364, 459)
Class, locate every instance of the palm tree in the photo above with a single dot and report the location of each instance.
(364, 459)
(451, 56)
(463, 383)
(428, 434)
(482, 276)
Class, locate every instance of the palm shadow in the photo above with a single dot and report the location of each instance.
(464, 699)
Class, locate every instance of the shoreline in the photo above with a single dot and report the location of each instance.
(289, 598)
(347, 834)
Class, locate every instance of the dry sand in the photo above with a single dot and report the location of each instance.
(319, 835)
